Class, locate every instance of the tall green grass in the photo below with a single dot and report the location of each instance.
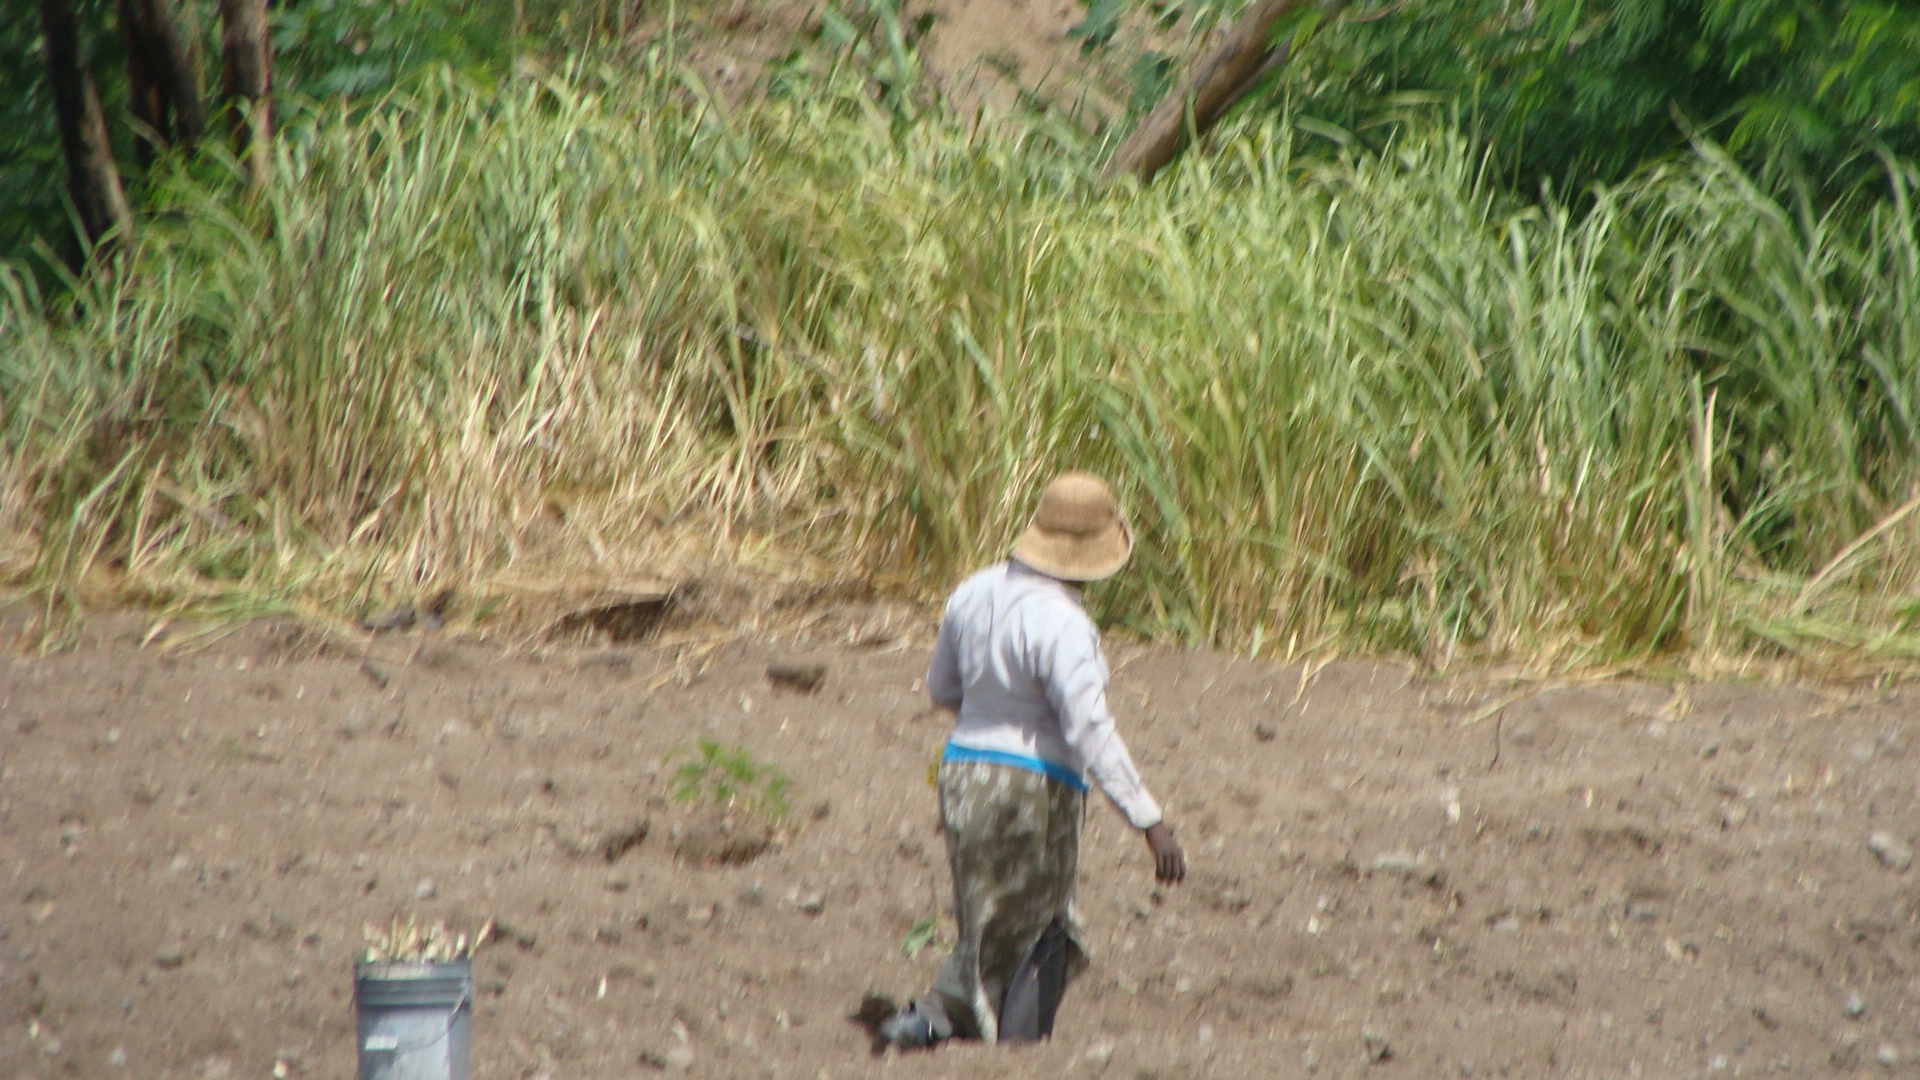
(596, 326)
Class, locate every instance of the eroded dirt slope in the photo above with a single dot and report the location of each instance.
(1641, 883)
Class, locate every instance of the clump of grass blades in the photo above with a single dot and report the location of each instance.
(1358, 402)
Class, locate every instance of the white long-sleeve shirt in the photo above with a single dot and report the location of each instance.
(1020, 661)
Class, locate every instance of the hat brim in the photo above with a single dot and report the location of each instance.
(1076, 556)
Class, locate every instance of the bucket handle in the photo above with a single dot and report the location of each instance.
(466, 999)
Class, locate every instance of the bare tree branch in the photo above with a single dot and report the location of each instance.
(1215, 84)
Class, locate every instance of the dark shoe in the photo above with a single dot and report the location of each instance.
(919, 1026)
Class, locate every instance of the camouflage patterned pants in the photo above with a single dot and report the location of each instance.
(1013, 842)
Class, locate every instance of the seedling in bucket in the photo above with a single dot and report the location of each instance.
(409, 942)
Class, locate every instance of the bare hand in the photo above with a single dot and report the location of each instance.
(1169, 862)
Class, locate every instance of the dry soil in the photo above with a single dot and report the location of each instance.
(1389, 878)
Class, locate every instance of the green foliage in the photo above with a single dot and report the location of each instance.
(876, 38)
(1569, 92)
(1573, 92)
(730, 780)
(32, 173)
(351, 50)
(1151, 77)
(1101, 23)
(355, 49)
(924, 933)
(1362, 401)
(29, 149)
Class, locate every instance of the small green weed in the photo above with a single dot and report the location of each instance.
(924, 933)
(730, 779)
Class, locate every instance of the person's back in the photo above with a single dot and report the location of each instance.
(1020, 662)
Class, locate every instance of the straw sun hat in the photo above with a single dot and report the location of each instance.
(1078, 532)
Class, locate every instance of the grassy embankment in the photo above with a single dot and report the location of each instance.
(587, 328)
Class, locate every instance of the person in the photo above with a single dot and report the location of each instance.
(1019, 663)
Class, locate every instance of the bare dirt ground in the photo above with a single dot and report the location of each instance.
(1612, 880)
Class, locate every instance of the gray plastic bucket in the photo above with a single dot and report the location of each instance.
(416, 1020)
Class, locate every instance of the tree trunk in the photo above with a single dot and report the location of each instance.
(246, 83)
(92, 178)
(1213, 86)
(145, 98)
(162, 75)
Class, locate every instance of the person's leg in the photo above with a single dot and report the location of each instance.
(1013, 896)
(1057, 956)
(1034, 997)
(997, 824)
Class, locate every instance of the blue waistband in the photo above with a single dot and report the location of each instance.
(1048, 769)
